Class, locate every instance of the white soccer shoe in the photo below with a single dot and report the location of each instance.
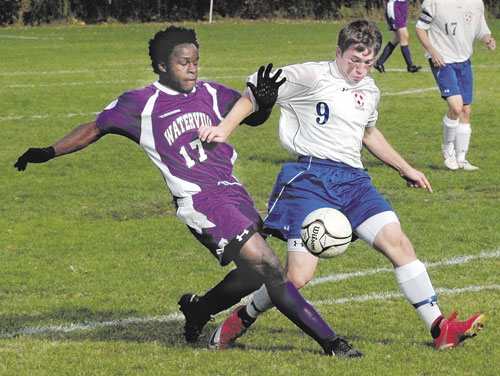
(449, 159)
(466, 166)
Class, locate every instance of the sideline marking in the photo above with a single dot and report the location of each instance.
(47, 329)
(451, 261)
(410, 92)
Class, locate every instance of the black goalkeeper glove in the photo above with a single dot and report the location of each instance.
(266, 91)
(34, 155)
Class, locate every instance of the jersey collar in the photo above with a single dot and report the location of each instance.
(169, 91)
(334, 69)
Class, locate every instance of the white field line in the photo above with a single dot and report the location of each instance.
(45, 116)
(393, 295)
(364, 273)
(410, 92)
(47, 329)
(75, 83)
(126, 68)
(30, 38)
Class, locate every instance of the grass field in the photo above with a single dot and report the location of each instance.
(93, 260)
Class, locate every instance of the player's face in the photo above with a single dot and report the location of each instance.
(355, 65)
(182, 70)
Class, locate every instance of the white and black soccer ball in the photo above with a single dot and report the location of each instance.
(326, 232)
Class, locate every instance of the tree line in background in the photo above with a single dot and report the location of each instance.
(38, 12)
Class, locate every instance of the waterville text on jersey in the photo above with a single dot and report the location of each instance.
(185, 123)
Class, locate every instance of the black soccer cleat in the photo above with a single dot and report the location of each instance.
(340, 348)
(413, 68)
(196, 316)
(379, 67)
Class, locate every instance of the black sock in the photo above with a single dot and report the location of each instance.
(235, 286)
(436, 330)
(245, 318)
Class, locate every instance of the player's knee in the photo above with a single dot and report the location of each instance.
(466, 112)
(299, 280)
(407, 247)
(455, 110)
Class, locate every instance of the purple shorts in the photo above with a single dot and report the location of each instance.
(396, 14)
(222, 219)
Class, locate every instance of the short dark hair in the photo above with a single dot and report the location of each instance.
(164, 41)
(364, 33)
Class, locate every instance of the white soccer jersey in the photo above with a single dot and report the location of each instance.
(452, 26)
(322, 115)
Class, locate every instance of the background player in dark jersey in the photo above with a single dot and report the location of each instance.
(163, 118)
(396, 15)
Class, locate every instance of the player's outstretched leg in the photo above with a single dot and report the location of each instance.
(448, 333)
(226, 334)
(257, 257)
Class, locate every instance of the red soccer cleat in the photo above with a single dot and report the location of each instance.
(454, 332)
(228, 332)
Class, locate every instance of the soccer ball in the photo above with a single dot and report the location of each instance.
(326, 232)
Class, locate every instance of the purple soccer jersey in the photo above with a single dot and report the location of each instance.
(165, 124)
(210, 200)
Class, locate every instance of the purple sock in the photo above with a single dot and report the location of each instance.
(389, 47)
(405, 50)
(289, 301)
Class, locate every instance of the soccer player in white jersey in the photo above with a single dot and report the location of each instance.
(163, 118)
(447, 30)
(328, 112)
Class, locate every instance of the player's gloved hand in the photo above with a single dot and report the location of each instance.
(34, 155)
(266, 91)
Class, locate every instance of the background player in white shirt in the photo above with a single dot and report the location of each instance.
(447, 30)
(328, 112)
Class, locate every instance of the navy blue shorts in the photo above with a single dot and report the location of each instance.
(312, 183)
(455, 79)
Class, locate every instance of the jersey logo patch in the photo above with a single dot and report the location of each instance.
(468, 18)
(359, 100)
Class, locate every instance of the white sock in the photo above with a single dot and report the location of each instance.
(449, 133)
(416, 286)
(260, 303)
(462, 141)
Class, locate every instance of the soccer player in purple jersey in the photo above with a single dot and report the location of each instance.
(164, 118)
(396, 15)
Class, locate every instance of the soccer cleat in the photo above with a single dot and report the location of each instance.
(454, 332)
(196, 316)
(228, 332)
(413, 68)
(449, 159)
(466, 166)
(340, 348)
(379, 67)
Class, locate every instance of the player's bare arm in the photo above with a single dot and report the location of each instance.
(378, 145)
(242, 108)
(436, 57)
(80, 137)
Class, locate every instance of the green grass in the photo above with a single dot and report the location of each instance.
(91, 238)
